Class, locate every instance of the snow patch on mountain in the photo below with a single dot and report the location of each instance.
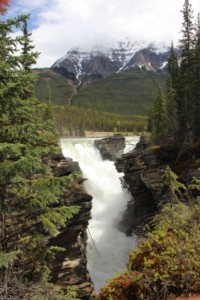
(117, 57)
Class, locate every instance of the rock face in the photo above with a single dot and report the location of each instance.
(111, 148)
(143, 170)
(70, 266)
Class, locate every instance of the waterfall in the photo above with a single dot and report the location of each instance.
(107, 247)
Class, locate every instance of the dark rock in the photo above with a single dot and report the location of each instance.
(143, 170)
(65, 72)
(143, 177)
(70, 266)
(111, 148)
(62, 166)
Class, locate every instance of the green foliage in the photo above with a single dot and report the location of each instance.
(55, 217)
(170, 179)
(182, 94)
(8, 258)
(159, 115)
(126, 93)
(33, 202)
(51, 87)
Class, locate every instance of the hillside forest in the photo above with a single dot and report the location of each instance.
(117, 103)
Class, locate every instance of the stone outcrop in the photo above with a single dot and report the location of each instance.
(112, 147)
(70, 266)
(143, 170)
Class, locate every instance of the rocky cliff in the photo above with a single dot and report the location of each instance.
(143, 170)
(111, 147)
(70, 266)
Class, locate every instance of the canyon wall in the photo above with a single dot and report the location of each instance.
(70, 266)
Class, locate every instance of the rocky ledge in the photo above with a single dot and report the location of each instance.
(111, 147)
(70, 267)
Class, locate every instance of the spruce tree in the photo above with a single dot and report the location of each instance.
(185, 90)
(183, 86)
(196, 82)
(172, 101)
(31, 205)
(158, 115)
(173, 67)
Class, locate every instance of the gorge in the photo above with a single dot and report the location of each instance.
(107, 247)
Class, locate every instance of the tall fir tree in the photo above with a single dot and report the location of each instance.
(158, 116)
(183, 85)
(172, 101)
(31, 205)
(196, 82)
(185, 90)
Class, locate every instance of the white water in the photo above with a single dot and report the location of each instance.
(107, 247)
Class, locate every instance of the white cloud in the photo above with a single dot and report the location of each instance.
(62, 24)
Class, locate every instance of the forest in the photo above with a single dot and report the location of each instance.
(175, 111)
(68, 124)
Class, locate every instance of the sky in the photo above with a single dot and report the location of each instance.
(59, 25)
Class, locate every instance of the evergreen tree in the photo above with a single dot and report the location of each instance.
(186, 99)
(172, 67)
(31, 205)
(159, 115)
(171, 94)
(186, 43)
(196, 82)
(172, 110)
(183, 86)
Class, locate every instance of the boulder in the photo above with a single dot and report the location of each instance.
(112, 147)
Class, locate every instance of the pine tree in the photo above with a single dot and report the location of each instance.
(31, 205)
(173, 67)
(183, 86)
(159, 116)
(172, 94)
(186, 74)
(196, 83)
(172, 111)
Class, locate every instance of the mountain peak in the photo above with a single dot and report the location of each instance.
(101, 61)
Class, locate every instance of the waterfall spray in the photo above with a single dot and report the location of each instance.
(107, 247)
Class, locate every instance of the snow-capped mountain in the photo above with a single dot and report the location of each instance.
(93, 64)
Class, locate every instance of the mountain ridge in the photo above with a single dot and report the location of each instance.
(101, 62)
(118, 79)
